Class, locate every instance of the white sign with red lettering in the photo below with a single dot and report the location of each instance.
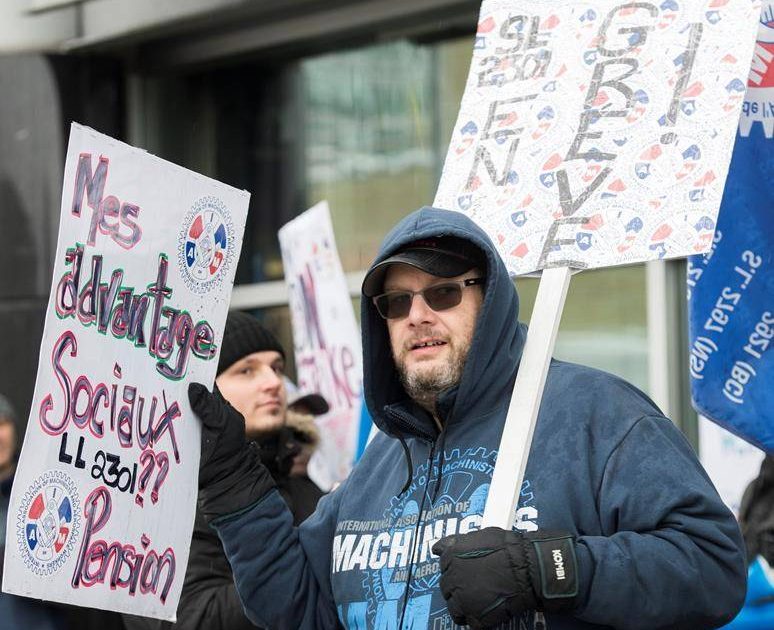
(597, 133)
(104, 496)
(326, 338)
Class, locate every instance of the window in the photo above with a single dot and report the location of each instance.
(370, 145)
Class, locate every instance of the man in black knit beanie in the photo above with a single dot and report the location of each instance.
(251, 378)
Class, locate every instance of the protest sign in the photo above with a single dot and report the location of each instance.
(592, 133)
(326, 338)
(731, 287)
(104, 496)
(598, 133)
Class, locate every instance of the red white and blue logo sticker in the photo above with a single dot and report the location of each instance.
(206, 244)
(48, 522)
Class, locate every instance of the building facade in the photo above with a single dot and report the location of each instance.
(296, 101)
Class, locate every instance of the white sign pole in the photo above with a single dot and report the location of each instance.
(525, 400)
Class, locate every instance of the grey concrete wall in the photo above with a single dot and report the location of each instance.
(22, 30)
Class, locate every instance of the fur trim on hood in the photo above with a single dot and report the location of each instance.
(303, 427)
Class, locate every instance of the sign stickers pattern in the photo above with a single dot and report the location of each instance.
(598, 133)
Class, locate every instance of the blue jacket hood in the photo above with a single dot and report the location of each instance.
(498, 340)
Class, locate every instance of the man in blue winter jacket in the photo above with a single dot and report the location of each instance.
(617, 524)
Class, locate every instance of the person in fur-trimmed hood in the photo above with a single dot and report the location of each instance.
(306, 437)
(617, 524)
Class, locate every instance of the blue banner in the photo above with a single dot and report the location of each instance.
(731, 288)
(366, 424)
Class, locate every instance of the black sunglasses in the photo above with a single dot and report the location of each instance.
(439, 297)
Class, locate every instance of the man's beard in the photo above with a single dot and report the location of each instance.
(425, 385)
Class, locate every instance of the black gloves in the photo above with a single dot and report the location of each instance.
(231, 476)
(492, 575)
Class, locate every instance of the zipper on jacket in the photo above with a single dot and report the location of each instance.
(405, 420)
(417, 530)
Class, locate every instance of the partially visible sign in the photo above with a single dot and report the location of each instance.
(731, 287)
(104, 495)
(599, 133)
(730, 462)
(326, 338)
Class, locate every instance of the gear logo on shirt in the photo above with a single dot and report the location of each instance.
(206, 244)
(391, 558)
(48, 522)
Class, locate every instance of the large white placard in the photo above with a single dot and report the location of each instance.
(103, 500)
(597, 133)
(326, 338)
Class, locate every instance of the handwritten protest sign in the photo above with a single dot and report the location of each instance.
(599, 133)
(592, 133)
(326, 338)
(104, 495)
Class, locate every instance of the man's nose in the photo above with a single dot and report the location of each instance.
(271, 380)
(420, 312)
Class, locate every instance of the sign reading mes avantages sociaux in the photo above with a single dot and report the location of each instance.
(104, 495)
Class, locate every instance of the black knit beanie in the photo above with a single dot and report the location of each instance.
(244, 335)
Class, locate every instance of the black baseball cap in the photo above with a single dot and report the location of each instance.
(443, 256)
(315, 403)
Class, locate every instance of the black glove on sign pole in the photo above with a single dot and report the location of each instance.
(492, 575)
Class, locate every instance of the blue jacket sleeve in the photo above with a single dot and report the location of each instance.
(282, 573)
(672, 556)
